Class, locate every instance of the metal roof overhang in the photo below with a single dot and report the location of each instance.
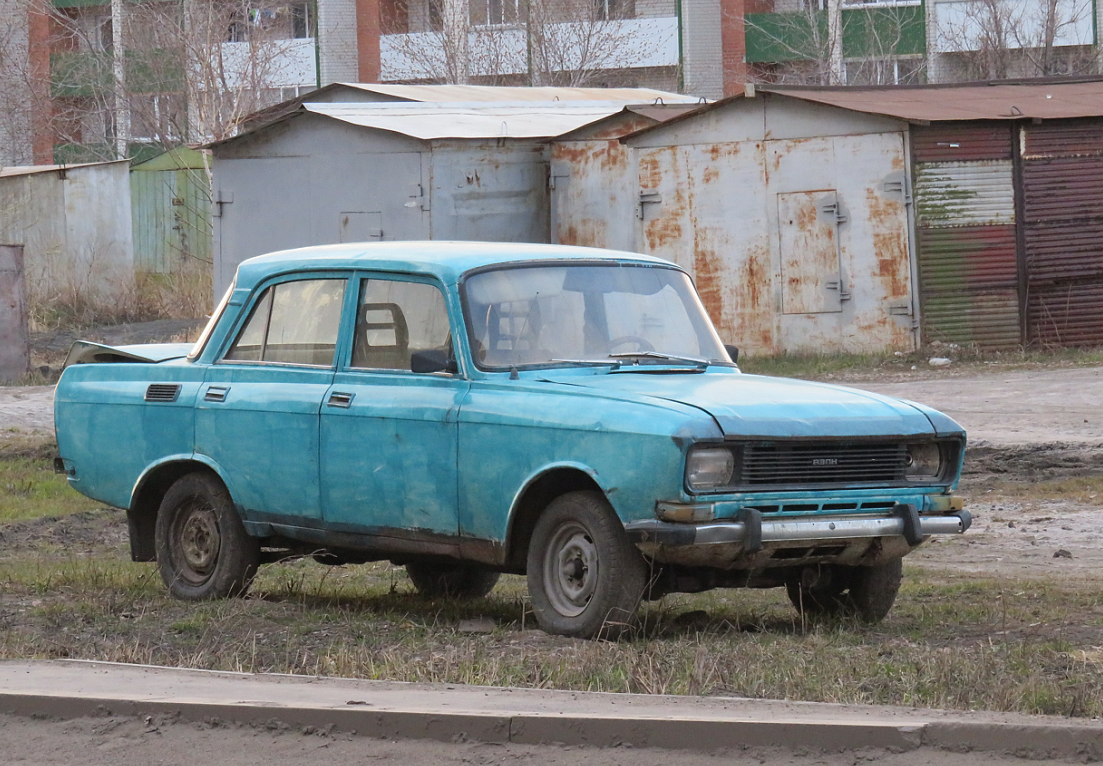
(428, 121)
(498, 94)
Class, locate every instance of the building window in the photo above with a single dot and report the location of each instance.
(613, 9)
(282, 22)
(877, 3)
(494, 12)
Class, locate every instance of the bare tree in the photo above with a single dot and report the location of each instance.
(997, 39)
(806, 39)
(568, 43)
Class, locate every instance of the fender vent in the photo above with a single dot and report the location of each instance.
(162, 392)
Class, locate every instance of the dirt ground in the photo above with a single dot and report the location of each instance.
(1024, 426)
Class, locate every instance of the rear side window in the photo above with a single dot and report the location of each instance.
(293, 323)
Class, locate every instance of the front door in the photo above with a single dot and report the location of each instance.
(257, 414)
(388, 434)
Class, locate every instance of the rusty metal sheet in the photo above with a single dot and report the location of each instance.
(1063, 189)
(593, 194)
(1067, 315)
(961, 142)
(719, 209)
(15, 354)
(1065, 138)
(1063, 221)
(969, 285)
(1012, 101)
(965, 193)
(811, 280)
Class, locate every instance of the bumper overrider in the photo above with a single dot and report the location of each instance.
(751, 541)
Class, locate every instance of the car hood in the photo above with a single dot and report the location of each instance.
(757, 406)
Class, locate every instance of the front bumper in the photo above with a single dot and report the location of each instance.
(751, 542)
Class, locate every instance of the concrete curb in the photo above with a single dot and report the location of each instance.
(455, 714)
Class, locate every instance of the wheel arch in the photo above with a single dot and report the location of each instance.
(149, 491)
(533, 498)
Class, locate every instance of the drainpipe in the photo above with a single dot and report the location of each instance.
(681, 48)
(318, 46)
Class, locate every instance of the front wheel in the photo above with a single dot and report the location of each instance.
(460, 581)
(864, 592)
(203, 550)
(585, 578)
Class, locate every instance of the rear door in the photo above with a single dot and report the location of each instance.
(388, 434)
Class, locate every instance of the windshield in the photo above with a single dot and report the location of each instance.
(552, 315)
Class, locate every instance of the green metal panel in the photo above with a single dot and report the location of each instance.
(876, 32)
(79, 74)
(786, 36)
(866, 32)
(72, 154)
(160, 70)
(170, 203)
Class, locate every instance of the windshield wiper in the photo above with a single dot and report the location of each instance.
(591, 362)
(694, 360)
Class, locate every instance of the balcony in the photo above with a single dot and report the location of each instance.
(287, 63)
(876, 30)
(504, 50)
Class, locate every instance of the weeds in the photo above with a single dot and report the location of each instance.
(964, 644)
(183, 294)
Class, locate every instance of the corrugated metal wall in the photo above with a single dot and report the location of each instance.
(965, 209)
(172, 225)
(1063, 226)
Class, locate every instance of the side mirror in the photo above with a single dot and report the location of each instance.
(733, 352)
(432, 360)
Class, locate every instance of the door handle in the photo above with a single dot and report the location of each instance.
(340, 399)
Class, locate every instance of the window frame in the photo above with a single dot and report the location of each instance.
(352, 308)
(255, 297)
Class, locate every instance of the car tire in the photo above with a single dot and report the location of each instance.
(585, 578)
(203, 550)
(873, 590)
(455, 581)
(867, 593)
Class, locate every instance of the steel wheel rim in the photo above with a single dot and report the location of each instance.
(571, 569)
(198, 543)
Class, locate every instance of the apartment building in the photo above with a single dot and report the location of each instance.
(100, 79)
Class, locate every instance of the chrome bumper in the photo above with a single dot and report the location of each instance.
(752, 532)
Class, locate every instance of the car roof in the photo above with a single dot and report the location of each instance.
(447, 261)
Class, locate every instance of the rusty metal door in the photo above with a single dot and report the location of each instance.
(811, 281)
(1063, 231)
(968, 262)
(15, 358)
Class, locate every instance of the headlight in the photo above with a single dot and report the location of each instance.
(924, 462)
(709, 468)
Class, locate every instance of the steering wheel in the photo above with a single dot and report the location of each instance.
(643, 343)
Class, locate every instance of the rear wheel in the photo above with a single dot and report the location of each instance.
(460, 581)
(203, 550)
(585, 578)
(865, 592)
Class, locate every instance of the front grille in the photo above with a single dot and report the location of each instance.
(823, 463)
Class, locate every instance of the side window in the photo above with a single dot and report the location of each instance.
(293, 323)
(394, 319)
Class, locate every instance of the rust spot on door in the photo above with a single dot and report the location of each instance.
(890, 251)
(709, 272)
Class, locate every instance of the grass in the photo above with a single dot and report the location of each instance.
(183, 294)
(951, 642)
(29, 489)
(830, 366)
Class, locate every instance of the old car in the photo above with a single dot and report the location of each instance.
(469, 409)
